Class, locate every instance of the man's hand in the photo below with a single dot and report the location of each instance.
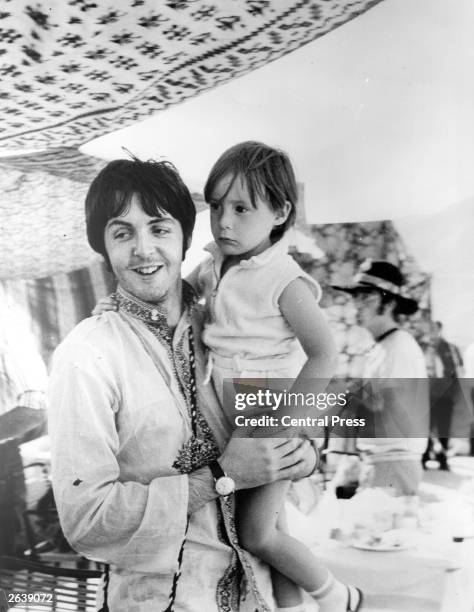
(259, 461)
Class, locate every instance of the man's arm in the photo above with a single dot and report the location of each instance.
(251, 463)
(107, 515)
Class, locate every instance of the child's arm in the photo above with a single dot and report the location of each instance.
(302, 312)
(105, 304)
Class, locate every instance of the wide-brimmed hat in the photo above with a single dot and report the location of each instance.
(384, 276)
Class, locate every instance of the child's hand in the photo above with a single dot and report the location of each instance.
(105, 304)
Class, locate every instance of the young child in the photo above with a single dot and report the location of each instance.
(263, 322)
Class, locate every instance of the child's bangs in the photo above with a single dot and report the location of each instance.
(256, 186)
(210, 194)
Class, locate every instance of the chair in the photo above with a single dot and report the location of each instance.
(43, 534)
(43, 587)
(12, 498)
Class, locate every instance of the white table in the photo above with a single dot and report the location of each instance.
(434, 575)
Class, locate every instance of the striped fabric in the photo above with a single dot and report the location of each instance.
(52, 306)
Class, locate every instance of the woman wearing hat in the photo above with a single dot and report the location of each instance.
(395, 375)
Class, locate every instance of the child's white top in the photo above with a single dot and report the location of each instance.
(243, 314)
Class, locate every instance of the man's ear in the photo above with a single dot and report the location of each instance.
(282, 215)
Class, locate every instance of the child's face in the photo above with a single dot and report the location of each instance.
(239, 228)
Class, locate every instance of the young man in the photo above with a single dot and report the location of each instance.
(395, 377)
(138, 460)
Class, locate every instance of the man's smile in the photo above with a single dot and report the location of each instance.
(147, 270)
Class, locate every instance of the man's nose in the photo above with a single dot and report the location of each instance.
(144, 246)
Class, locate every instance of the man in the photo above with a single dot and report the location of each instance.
(469, 374)
(444, 393)
(138, 456)
(394, 378)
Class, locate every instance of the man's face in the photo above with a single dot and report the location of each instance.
(367, 305)
(146, 254)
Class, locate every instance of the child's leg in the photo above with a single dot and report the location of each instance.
(258, 511)
(257, 515)
(287, 594)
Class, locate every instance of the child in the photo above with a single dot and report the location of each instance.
(263, 321)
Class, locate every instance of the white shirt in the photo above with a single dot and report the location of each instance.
(117, 422)
(398, 356)
(243, 313)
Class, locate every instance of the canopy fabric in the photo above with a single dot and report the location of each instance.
(42, 229)
(79, 69)
(63, 162)
(42, 222)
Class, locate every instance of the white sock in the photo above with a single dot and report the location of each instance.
(297, 608)
(331, 596)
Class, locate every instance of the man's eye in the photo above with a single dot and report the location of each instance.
(160, 231)
(121, 235)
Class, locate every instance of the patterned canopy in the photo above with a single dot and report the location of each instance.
(74, 70)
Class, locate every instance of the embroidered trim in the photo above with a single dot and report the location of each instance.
(194, 454)
(228, 592)
(227, 506)
(155, 319)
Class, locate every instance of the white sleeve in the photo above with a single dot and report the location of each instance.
(288, 274)
(106, 515)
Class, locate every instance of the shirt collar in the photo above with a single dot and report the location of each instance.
(278, 249)
(153, 314)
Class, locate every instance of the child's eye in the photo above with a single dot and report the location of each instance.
(241, 209)
(214, 205)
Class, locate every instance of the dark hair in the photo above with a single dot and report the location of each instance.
(157, 184)
(385, 298)
(268, 173)
(388, 298)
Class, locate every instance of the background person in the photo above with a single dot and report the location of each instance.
(444, 392)
(23, 382)
(396, 401)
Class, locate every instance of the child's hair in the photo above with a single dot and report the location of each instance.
(157, 184)
(267, 172)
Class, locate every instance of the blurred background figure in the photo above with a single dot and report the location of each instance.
(469, 373)
(393, 402)
(23, 380)
(444, 389)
